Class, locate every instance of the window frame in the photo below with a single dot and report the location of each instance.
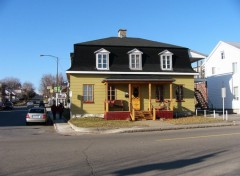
(214, 70)
(102, 52)
(234, 67)
(111, 91)
(179, 95)
(134, 53)
(235, 93)
(166, 62)
(91, 94)
(222, 55)
(159, 93)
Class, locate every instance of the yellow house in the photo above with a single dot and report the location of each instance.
(130, 78)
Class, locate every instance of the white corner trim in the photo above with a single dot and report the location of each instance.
(132, 73)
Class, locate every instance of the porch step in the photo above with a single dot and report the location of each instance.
(143, 115)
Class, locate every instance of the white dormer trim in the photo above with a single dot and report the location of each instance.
(102, 59)
(102, 50)
(166, 60)
(135, 59)
(165, 52)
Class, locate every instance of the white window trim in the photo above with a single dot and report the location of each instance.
(166, 53)
(235, 93)
(234, 67)
(135, 52)
(214, 70)
(102, 52)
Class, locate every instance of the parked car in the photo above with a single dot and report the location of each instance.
(30, 104)
(36, 115)
(8, 105)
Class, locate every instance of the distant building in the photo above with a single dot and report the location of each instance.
(222, 69)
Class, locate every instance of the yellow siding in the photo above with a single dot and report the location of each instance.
(77, 81)
(188, 103)
(76, 85)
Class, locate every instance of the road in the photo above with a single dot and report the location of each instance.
(39, 150)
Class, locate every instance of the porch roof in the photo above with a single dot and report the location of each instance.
(138, 78)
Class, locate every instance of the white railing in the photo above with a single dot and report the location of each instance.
(212, 113)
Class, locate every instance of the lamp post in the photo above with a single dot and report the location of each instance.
(43, 55)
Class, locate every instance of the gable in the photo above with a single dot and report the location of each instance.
(221, 59)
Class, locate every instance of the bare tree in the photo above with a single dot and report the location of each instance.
(12, 83)
(46, 80)
(28, 90)
(50, 80)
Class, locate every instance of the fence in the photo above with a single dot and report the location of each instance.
(212, 113)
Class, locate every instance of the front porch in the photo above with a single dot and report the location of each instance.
(144, 99)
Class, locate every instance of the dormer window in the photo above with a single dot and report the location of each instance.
(102, 59)
(166, 60)
(135, 59)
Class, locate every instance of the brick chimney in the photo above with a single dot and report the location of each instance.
(122, 33)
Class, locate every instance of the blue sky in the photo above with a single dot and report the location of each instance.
(29, 28)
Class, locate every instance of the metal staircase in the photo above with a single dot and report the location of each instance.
(201, 101)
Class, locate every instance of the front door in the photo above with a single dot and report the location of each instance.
(136, 97)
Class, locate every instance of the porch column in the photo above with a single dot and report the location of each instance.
(106, 97)
(171, 95)
(130, 97)
(149, 95)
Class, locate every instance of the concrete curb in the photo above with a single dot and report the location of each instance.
(147, 129)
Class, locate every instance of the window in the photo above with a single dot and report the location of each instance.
(166, 60)
(235, 93)
(102, 59)
(111, 92)
(88, 93)
(135, 59)
(159, 93)
(234, 67)
(213, 70)
(179, 93)
(222, 55)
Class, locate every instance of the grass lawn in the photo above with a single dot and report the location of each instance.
(92, 122)
(193, 120)
(101, 123)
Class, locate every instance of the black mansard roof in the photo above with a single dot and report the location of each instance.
(128, 41)
(84, 58)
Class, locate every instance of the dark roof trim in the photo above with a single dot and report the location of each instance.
(137, 78)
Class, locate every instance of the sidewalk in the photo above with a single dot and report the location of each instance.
(66, 128)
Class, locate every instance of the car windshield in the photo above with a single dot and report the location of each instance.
(36, 111)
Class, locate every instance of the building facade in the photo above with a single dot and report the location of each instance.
(123, 77)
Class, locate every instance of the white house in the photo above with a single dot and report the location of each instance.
(222, 70)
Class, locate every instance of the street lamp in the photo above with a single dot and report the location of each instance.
(43, 55)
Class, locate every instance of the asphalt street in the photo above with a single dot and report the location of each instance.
(39, 150)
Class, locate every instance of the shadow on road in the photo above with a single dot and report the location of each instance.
(165, 166)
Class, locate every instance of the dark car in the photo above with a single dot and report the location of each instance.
(8, 105)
